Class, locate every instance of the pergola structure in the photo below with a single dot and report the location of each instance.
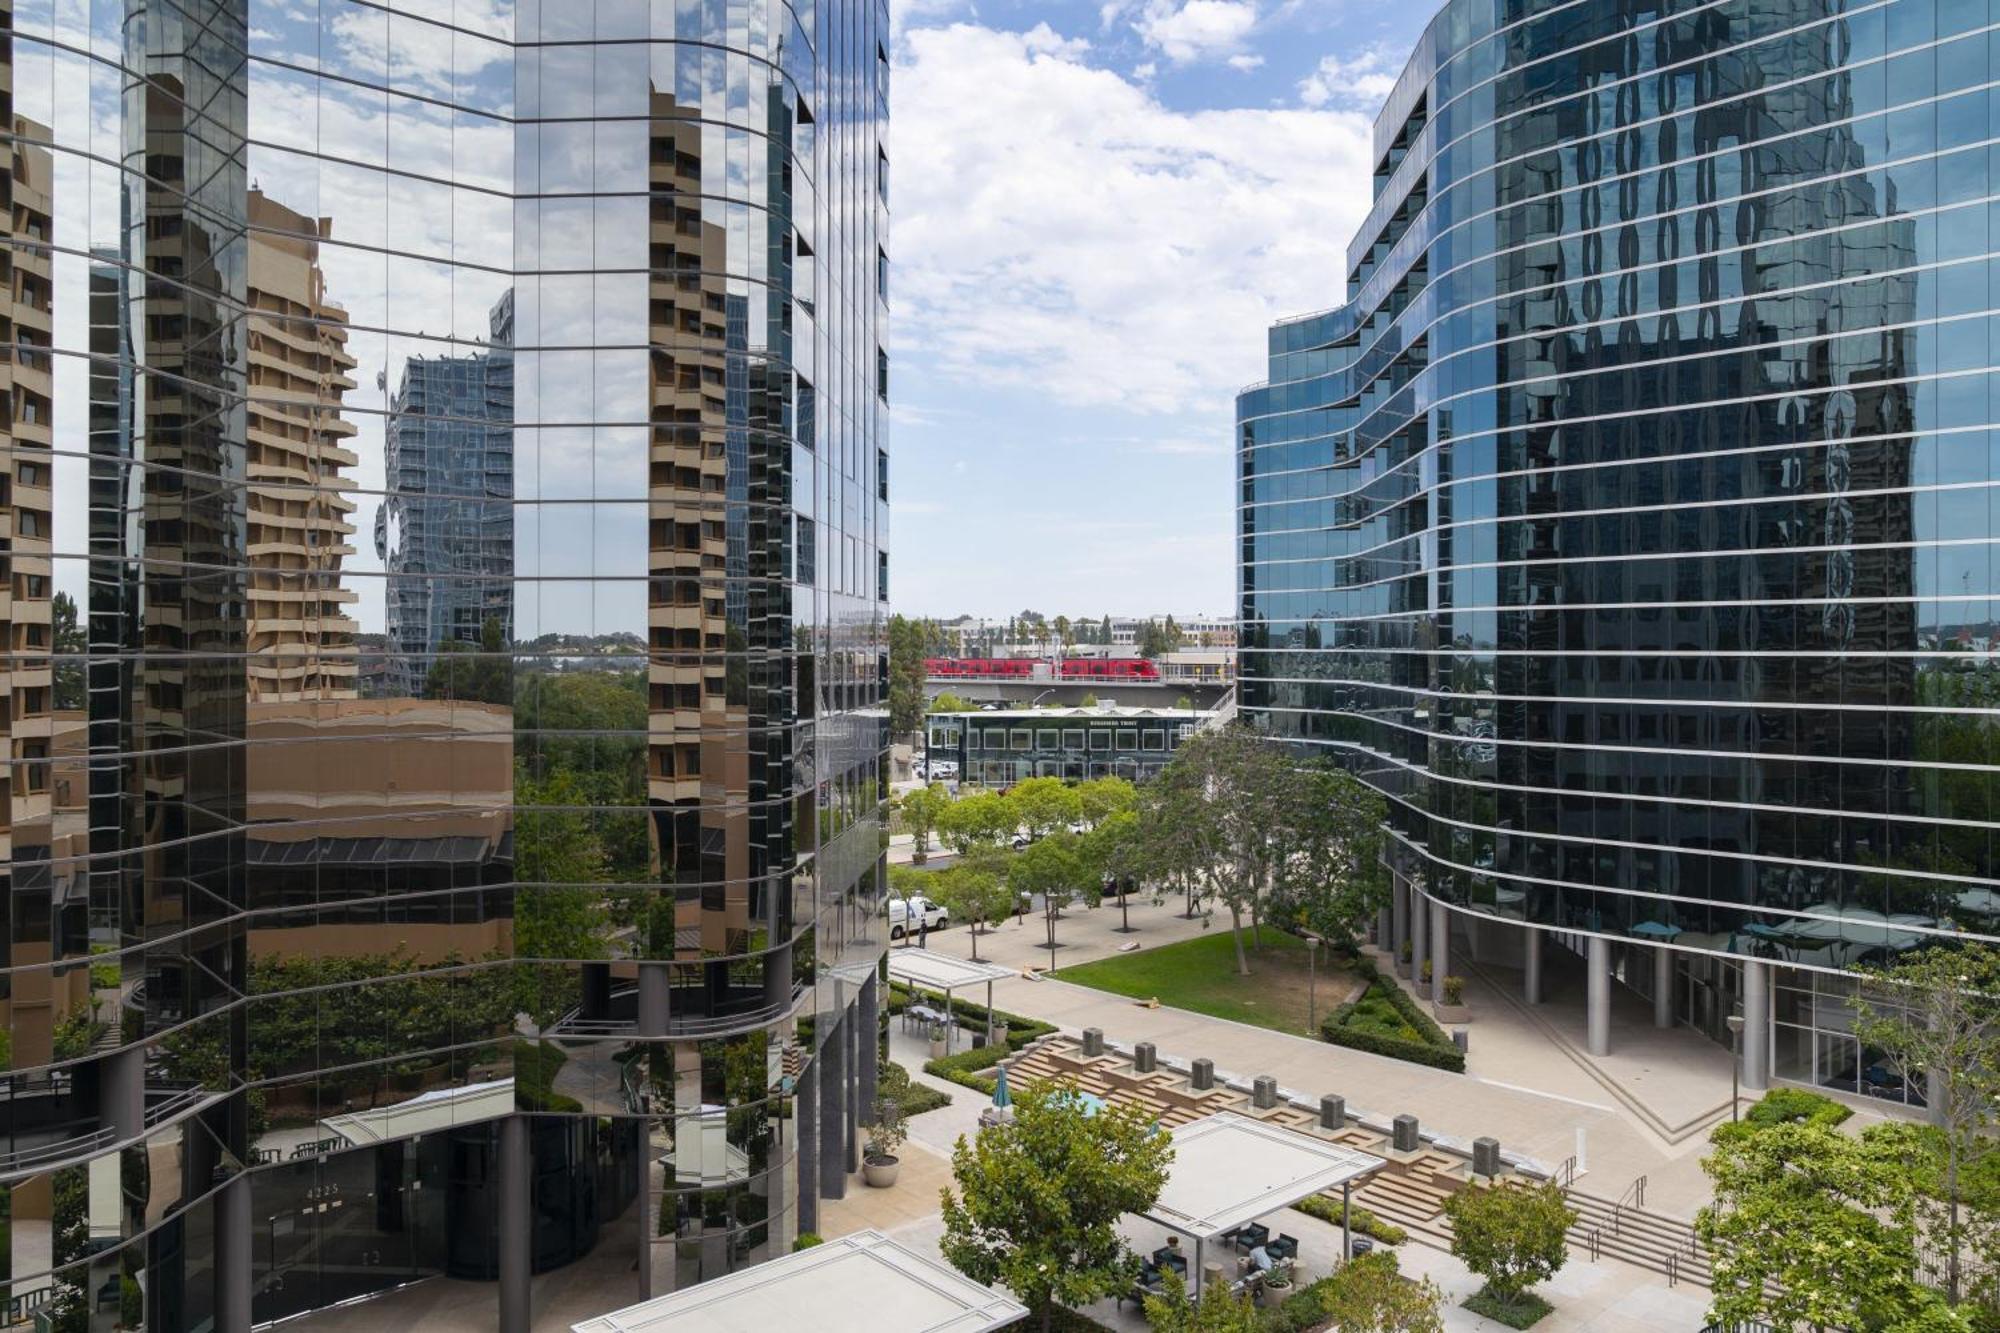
(1229, 1170)
(942, 972)
(860, 1283)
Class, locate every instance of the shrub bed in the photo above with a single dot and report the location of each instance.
(1386, 1021)
(1524, 1311)
(1365, 1223)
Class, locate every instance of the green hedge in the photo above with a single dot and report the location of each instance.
(1365, 1223)
(963, 1067)
(1782, 1106)
(1434, 1049)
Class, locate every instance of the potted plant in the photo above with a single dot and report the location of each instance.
(885, 1139)
(1279, 1278)
(937, 1041)
(1454, 991)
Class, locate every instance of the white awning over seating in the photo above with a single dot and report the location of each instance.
(942, 972)
(860, 1283)
(1229, 1170)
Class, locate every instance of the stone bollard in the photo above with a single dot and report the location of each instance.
(1486, 1157)
(1332, 1112)
(1460, 1039)
(1404, 1136)
(1211, 1276)
(1264, 1092)
(1145, 1058)
(1202, 1075)
(1093, 1042)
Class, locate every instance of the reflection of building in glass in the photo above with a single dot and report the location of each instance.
(1618, 526)
(543, 953)
(445, 531)
(301, 636)
(30, 821)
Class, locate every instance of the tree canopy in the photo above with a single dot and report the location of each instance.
(1038, 1202)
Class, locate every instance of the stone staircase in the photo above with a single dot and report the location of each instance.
(1606, 1229)
(1664, 1245)
(1410, 1191)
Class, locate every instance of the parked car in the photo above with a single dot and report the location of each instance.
(913, 913)
(940, 769)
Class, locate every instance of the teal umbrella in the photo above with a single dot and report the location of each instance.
(1000, 1097)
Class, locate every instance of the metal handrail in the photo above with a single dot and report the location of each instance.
(1637, 1192)
(33, 1159)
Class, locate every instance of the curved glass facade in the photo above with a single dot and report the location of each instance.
(1631, 525)
(443, 503)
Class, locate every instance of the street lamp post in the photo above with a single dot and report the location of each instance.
(1735, 1023)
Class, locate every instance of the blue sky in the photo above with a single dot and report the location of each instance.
(1098, 209)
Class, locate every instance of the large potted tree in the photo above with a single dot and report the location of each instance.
(885, 1139)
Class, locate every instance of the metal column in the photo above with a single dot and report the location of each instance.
(1419, 933)
(1598, 996)
(1531, 966)
(1663, 987)
(515, 1227)
(1440, 949)
(833, 1095)
(1399, 921)
(1756, 1025)
(868, 1040)
(805, 1133)
(232, 1257)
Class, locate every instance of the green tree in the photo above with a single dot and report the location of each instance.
(1935, 1017)
(1100, 798)
(1218, 1310)
(921, 811)
(480, 672)
(1045, 805)
(70, 645)
(1370, 1295)
(982, 819)
(1039, 1201)
(947, 702)
(1513, 1236)
(1810, 1227)
(1054, 868)
(1328, 878)
(975, 891)
(1209, 822)
(908, 641)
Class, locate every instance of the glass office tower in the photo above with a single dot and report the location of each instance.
(444, 520)
(1630, 525)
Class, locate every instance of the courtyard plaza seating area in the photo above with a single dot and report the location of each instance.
(1410, 1191)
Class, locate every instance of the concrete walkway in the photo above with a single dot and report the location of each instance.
(1083, 934)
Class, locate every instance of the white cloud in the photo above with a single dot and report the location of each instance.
(1245, 62)
(1185, 31)
(1064, 231)
(1360, 82)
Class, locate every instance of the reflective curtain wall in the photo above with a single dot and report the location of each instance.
(443, 513)
(1631, 525)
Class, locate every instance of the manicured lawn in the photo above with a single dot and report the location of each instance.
(1200, 974)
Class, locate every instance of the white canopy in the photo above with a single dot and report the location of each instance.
(941, 971)
(1230, 1170)
(860, 1283)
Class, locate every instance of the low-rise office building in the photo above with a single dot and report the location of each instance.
(999, 747)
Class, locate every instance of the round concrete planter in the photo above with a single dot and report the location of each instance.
(879, 1172)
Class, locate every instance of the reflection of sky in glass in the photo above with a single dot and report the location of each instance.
(395, 127)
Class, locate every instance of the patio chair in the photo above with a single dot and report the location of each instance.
(1151, 1283)
(1284, 1248)
(1250, 1237)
